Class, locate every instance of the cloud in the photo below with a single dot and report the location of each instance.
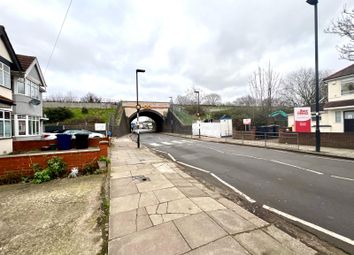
(213, 45)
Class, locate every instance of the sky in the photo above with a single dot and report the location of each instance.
(213, 45)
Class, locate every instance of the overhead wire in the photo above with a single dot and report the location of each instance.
(57, 39)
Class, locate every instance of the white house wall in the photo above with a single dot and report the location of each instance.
(5, 92)
(213, 129)
(3, 51)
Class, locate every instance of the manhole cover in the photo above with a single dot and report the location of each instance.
(140, 178)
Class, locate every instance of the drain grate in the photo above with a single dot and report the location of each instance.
(140, 178)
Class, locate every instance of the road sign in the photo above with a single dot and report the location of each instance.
(246, 121)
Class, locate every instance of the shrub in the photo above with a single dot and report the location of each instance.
(84, 110)
(41, 176)
(90, 168)
(58, 114)
(56, 167)
(36, 167)
(103, 158)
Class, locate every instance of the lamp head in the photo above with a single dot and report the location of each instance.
(140, 70)
(196, 91)
(312, 2)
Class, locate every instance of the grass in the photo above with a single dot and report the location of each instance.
(93, 112)
(183, 116)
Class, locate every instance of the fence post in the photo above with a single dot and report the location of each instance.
(243, 137)
(297, 138)
(265, 139)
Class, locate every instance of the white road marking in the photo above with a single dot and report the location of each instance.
(178, 142)
(342, 178)
(298, 167)
(233, 188)
(194, 167)
(173, 159)
(311, 225)
(166, 143)
(211, 148)
(155, 144)
(187, 141)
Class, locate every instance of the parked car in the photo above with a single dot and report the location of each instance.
(83, 131)
(49, 136)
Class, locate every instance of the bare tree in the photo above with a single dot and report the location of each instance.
(245, 101)
(91, 98)
(299, 88)
(264, 87)
(344, 27)
(212, 99)
(189, 97)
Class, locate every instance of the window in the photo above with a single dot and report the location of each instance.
(20, 86)
(5, 124)
(347, 88)
(32, 123)
(32, 89)
(338, 116)
(313, 117)
(5, 76)
(21, 119)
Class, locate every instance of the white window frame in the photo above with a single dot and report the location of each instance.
(6, 122)
(32, 125)
(5, 76)
(338, 117)
(22, 81)
(343, 83)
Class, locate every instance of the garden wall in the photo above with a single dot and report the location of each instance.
(335, 140)
(21, 164)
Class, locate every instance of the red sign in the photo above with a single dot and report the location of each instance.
(302, 118)
(246, 121)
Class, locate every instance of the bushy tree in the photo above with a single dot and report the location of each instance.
(58, 114)
(91, 98)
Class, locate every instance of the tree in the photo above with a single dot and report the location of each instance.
(299, 88)
(212, 99)
(245, 101)
(264, 87)
(91, 98)
(189, 97)
(58, 114)
(344, 27)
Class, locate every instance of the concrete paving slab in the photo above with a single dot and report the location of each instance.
(258, 222)
(147, 199)
(286, 240)
(120, 190)
(162, 208)
(173, 176)
(156, 219)
(236, 208)
(199, 229)
(183, 205)
(122, 224)
(181, 183)
(259, 243)
(157, 182)
(124, 174)
(151, 209)
(165, 169)
(168, 194)
(172, 216)
(150, 242)
(230, 221)
(207, 203)
(126, 203)
(224, 246)
(123, 168)
(143, 222)
(192, 192)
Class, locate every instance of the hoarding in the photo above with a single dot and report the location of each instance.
(246, 121)
(302, 118)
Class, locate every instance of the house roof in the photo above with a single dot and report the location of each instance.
(349, 70)
(25, 61)
(15, 65)
(341, 103)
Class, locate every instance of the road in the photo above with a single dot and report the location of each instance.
(316, 189)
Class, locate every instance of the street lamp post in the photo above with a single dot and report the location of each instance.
(137, 103)
(171, 118)
(198, 113)
(318, 134)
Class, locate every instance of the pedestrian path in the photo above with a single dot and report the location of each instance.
(156, 208)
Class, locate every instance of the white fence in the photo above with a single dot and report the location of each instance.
(213, 129)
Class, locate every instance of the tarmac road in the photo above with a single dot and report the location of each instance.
(316, 189)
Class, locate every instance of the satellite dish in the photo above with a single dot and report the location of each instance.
(35, 102)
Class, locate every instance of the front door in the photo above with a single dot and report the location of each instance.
(349, 121)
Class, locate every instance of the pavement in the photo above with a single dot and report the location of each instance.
(325, 151)
(156, 208)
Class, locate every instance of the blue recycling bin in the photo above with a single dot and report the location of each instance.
(64, 141)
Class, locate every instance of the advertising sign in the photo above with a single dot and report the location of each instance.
(100, 126)
(302, 117)
(246, 121)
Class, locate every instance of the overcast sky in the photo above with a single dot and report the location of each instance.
(212, 45)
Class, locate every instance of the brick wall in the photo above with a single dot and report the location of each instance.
(21, 164)
(335, 140)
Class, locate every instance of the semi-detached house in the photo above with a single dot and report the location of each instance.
(21, 88)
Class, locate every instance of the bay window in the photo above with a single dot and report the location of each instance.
(20, 86)
(5, 124)
(27, 125)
